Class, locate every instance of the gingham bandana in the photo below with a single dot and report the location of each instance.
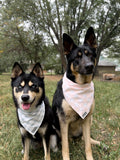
(79, 97)
(31, 121)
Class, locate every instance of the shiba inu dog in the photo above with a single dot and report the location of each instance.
(34, 114)
(73, 101)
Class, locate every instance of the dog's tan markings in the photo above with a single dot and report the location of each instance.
(42, 133)
(86, 134)
(46, 150)
(95, 62)
(36, 96)
(23, 131)
(42, 130)
(88, 78)
(27, 146)
(79, 54)
(70, 114)
(67, 124)
(73, 119)
(80, 79)
(16, 72)
(92, 42)
(65, 143)
(17, 94)
(39, 94)
(38, 71)
(64, 124)
(30, 83)
(86, 51)
(74, 69)
(75, 128)
(22, 83)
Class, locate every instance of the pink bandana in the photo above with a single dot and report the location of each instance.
(79, 97)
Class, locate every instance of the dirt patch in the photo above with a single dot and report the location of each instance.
(53, 78)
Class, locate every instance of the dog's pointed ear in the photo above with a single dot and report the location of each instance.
(68, 44)
(90, 38)
(38, 71)
(16, 71)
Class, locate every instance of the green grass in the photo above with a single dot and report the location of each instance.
(106, 124)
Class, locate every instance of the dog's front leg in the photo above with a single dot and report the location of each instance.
(26, 148)
(46, 148)
(65, 143)
(87, 139)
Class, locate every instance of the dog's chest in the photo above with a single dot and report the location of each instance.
(70, 114)
(42, 130)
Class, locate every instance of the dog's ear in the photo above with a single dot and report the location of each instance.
(90, 38)
(38, 71)
(68, 44)
(17, 70)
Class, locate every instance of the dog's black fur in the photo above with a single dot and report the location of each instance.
(81, 61)
(29, 88)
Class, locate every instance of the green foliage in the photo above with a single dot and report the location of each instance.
(19, 43)
(114, 51)
(28, 27)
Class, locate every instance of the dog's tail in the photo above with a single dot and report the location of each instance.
(54, 143)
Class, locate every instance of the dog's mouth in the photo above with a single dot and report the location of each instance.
(26, 106)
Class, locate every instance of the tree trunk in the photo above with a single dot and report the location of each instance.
(97, 59)
(62, 56)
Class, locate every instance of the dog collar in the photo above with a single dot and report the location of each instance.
(79, 97)
(31, 121)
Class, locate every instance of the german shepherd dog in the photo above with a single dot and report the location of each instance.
(34, 114)
(81, 61)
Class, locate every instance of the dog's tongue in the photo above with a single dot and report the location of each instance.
(26, 106)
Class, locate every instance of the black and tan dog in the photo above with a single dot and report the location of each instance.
(35, 117)
(73, 102)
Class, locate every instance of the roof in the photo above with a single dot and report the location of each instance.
(106, 62)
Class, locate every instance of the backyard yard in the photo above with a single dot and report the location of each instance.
(105, 127)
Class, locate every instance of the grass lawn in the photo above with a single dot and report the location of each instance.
(106, 124)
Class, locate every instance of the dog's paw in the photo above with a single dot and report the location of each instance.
(22, 152)
(53, 143)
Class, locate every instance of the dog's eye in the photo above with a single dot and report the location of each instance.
(80, 54)
(20, 87)
(88, 54)
(33, 86)
(76, 62)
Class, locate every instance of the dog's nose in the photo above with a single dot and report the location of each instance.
(25, 98)
(89, 68)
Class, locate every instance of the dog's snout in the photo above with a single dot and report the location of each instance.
(25, 98)
(89, 68)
